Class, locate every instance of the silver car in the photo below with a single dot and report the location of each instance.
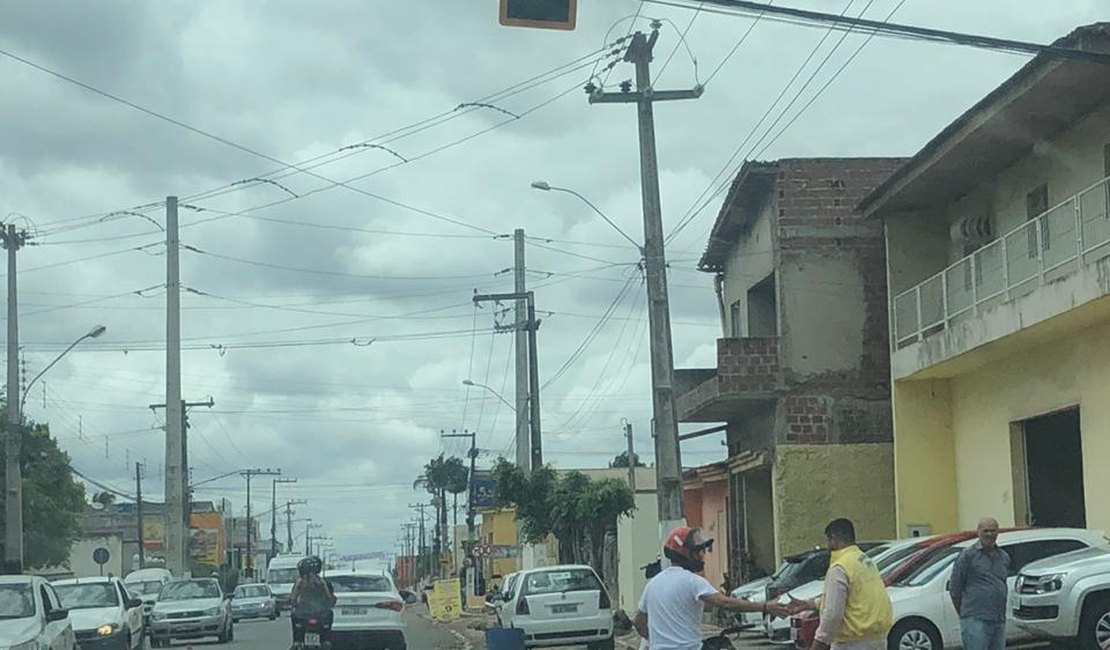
(253, 601)
(191, 609)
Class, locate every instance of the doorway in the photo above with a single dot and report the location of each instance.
(1049, 471)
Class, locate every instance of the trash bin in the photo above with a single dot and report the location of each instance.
(504, 639)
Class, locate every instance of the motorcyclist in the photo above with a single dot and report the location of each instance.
(312, 596)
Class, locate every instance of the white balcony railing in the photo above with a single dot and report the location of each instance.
(1055, 244)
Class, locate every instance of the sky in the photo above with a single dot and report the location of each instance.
(327, 309)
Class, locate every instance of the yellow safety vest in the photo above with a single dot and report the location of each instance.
(868, 614)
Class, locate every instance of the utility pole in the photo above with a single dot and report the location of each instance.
(471, 577)
(308, 536)
(665, 426)
(177, 459)
(523, 457)
(631, 456)
(177, 445)
(289, 521)
(273, 515)
(422, 555)
(13, 240)
(410, 556)
(139, 512)
(249, 474)
(535, 438)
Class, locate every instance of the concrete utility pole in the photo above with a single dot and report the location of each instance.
(177, 512)
(667, 456)
(410, 555)
(273, 515)
(471, 513)
(308, 536)
(535, 438)
(249, 474)
(523, 456)
(139, 512)
(631, 456)
(289, 522)
(13, 240)
(422, 557)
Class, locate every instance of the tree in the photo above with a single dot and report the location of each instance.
(457, 478)
(621, 460)
(104, 498)
(434, 480)
(52, 499)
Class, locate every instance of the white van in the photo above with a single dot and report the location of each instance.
(281, 576)
(147, 584)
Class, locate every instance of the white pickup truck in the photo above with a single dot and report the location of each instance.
(1066, 597)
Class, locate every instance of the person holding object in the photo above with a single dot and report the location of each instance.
(856, 612)
(978, 590)
(673, 602)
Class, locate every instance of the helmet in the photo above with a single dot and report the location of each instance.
(309, 565)
(682, 546)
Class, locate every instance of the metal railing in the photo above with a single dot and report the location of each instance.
(1057, 243)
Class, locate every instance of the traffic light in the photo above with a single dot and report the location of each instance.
(544, 14)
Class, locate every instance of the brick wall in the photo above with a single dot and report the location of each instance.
(748, 364)
(808, 419)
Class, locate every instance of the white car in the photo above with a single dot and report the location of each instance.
(103, 613)
(32, 617)
(191, 609)
(560, 605)
(1066, 599)
(146, 584)
(281, 575)
(367, 611)
(924, 618)
(755, 592)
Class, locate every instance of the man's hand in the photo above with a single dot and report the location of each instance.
(639, 621)
(796, 606)
(778, 610)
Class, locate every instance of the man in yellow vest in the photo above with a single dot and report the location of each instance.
(856, 613)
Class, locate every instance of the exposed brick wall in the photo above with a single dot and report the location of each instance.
(826, 191)
(808, 418)
(748, 364)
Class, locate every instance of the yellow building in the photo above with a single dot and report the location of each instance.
(499, 530)
(998, 249)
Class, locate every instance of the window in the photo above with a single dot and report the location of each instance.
(736, 315)
(360, 584)
(1024, 553)
(560, 581)
(1036, 204)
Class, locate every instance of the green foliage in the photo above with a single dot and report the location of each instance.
(456, 475)
(52, 499)
(621, 460)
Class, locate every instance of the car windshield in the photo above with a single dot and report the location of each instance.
(145, 588)
(283, 576)
(16, 601)
(930, 568)
(892, 559)
(252, 591)
(360, 584)
(190, 589)
(561, 580)
(88, 596)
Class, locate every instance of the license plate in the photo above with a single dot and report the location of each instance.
(355, 611)
(312, 640)
(563, 609)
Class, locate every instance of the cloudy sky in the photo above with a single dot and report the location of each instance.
(332, 324)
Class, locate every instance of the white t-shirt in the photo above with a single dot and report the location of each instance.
(673, 603)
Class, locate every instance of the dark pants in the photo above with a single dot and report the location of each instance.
(300, 622)
(978, 634)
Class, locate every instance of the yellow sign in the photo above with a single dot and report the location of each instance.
(445, 602)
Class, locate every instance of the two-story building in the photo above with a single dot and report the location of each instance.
(998, 242)
(802, 378)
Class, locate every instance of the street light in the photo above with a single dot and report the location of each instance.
(547, 187)
(13, 498)
(467, 382)
(94, 333)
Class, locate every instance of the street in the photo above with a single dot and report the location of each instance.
(422, 634)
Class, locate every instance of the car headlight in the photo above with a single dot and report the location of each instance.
(1046, 584)
(214, 611)
(108, 629)
(157, 615)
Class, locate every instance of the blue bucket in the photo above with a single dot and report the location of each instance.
(505, 639)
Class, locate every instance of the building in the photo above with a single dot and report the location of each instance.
(802, 379)
(705, 491)
(998, 239)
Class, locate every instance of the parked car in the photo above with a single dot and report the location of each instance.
(253, 601)
(756, 592)
(146, 584)
(103, 613)
(409, 597)
(560, 605)
(191, 609)
(506, 594)
(32, 616)
(368, 611)
(924, 617)
(1065, 598)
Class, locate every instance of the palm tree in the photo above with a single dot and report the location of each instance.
(434, 480)
(458, 481)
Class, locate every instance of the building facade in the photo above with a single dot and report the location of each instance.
(998, 241)
(705, 498)
(802, 378)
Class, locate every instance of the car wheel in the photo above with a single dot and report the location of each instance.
(1094, 625)
(914, 635)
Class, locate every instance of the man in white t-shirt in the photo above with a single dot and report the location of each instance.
(674, 601)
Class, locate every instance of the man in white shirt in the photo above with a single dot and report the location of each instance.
(674, 601)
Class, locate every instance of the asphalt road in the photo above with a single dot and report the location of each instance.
(421, 634)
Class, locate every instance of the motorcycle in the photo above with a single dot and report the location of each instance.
(316, 630)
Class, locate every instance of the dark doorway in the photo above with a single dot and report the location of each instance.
(1054, 470)
(763, 319)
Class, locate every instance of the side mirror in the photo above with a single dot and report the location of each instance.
(134, 602)
(57, 615)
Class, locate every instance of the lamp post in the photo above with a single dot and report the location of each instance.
(547, 187)
(467, 382)
(13, 531)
